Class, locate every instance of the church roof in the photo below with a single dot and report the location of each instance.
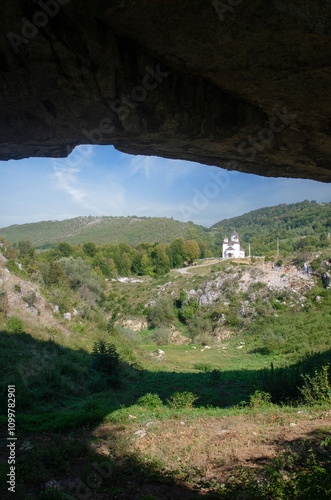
(230, 248)
(242, 249)
(234, 232)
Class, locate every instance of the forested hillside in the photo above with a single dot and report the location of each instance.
(299, 226)
(131, 230)
(125, 372)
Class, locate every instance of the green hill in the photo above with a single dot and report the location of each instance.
(298, 226)
(101, 230)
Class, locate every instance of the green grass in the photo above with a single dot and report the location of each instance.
(67, 409)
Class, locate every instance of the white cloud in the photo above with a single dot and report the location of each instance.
(141, 165)
(66, 173)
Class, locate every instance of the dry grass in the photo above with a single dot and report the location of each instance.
(212, 447)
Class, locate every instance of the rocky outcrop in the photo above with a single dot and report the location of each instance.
(236, 84)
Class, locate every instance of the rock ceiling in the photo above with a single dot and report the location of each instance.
(240, 84)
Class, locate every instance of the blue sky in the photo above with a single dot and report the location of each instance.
(98, 180)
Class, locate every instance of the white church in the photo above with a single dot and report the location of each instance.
(232, 248)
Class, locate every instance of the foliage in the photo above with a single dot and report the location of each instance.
(285, 383)
(79, 273)
(102, 230)
(90, 248)
(259, 399)
(162, 312)
(178, 252)
(12, 266)
(53, 274)
(14, 325)
(298, 227)
(204, 367)
(272, 341)
(150, 401)
(199, 323)
(188, 310)
(26, 249)
(30, 299)
(316, 388)
(113, 319)
(182, 400)
(105, 359)
(161, 336)
(3, 300)
(192, 250)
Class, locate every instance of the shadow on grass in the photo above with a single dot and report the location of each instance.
(60, 400)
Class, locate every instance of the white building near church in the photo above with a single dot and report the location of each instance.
(232, 248)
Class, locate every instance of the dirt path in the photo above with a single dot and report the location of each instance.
(184, 270)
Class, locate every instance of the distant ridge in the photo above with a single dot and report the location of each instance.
(101, 230)
(295, 220)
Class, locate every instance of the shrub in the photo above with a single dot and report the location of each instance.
(12, 266)
(204, 339)
(259, 399)
(105, 359)
(97, 383)
(150, 401)
(182, 400)
(161, 336)
(130, 335)
(198, 324)
(272, 342)
(204, 367)
(284, 383)
(188, 309)
(162, 313)
(316, 388)
(3, 300)
(14, 325)
(64, 298)
(80, 273)
(30, 299)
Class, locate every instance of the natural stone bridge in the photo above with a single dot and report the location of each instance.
(241, 84)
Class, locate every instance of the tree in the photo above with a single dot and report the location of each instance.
(90, 249)
(146, 265)
(126, 263)
(26, 249)
(161, 258)
(192, 250)
(323, 240)
(178, 252)
(162, 313)
(64, 249)
(80, 273)
(112, 266)
(53, 274)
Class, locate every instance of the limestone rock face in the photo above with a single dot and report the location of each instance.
(237, 84)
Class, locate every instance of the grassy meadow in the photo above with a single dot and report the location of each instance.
(241, 412)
